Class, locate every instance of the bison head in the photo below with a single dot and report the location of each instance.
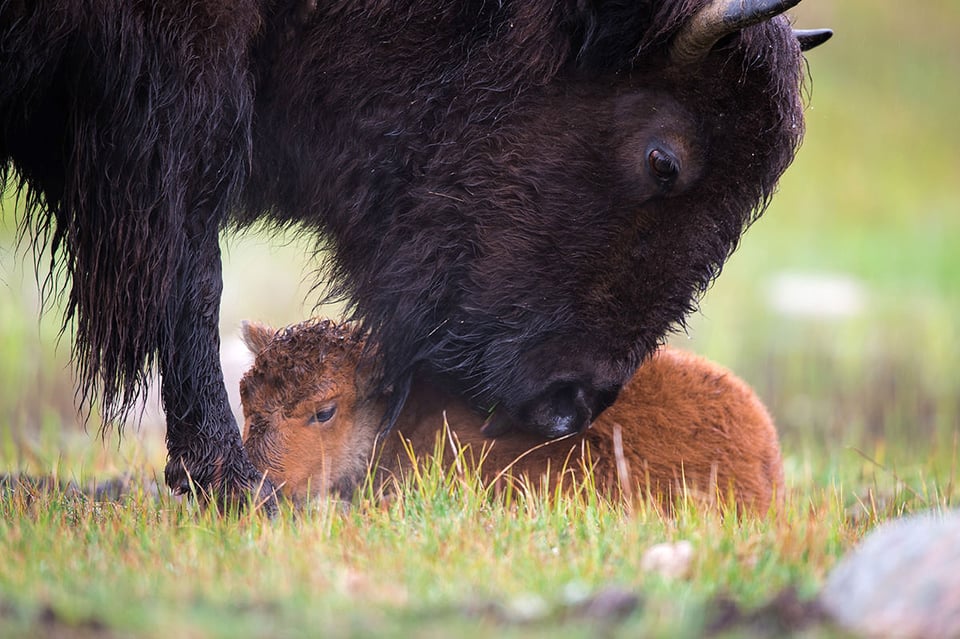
(524, 198)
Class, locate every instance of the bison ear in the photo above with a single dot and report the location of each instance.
(607, 34)
(256, 336)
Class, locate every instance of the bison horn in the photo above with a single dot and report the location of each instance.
(810, 38)
(717, 19)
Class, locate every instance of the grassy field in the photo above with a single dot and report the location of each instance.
(840, 308)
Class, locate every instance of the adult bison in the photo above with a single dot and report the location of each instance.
(491, 179)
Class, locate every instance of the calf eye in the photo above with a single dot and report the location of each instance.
(663, 165)
(325, 414)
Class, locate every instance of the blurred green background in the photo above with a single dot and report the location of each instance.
(840, 306)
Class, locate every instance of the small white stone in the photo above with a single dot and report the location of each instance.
(669, 560)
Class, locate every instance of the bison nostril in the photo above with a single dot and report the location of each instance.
(566, 400)
(566, 407)
(567, 411)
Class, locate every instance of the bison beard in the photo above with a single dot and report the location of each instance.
(492, 180)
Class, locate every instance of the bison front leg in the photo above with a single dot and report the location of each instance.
(203, 442)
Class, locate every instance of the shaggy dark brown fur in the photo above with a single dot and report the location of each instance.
(521, 197)
(682, 425)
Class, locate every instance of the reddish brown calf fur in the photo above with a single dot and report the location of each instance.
(311, 424)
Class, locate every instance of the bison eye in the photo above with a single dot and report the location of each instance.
(325, 414)
(663, 165)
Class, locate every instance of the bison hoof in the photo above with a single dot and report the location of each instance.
(230, 487)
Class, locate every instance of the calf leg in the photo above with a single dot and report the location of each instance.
(203, 441)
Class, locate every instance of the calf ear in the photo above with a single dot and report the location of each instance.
(256, 335)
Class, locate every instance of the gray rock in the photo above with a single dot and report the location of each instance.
(903, 580)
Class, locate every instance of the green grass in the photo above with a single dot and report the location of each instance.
(867, 406)
(442, 557)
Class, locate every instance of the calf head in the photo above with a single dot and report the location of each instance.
(310, 422)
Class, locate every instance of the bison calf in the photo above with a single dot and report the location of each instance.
(312, 419)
